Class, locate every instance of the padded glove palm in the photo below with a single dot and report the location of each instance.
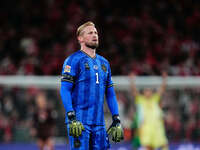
(116, 130)
(75, 126)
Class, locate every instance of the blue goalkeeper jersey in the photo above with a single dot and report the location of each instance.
(90, 77)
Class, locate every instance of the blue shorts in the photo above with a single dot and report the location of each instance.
(92, 138)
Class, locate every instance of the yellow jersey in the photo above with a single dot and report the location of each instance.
(150, 121)
(149, 110)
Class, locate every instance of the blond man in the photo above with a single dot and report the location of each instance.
(86, 78)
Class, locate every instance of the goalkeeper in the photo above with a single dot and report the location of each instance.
(86, 78)
(150, 118)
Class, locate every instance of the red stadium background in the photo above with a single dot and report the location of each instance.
(144, 36)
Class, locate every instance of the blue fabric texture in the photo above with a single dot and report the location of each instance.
(84, 83)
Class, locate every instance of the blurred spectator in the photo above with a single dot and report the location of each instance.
(5, 129)
(44, 123)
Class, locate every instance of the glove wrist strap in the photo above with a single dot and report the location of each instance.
(71, 115)
(116, 119)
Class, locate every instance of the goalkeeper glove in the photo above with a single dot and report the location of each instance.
(75, 126)
(115, 130)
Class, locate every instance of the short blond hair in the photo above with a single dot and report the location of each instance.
(81, 28)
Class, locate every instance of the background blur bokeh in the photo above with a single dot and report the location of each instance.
(142, 36)
(151, 35)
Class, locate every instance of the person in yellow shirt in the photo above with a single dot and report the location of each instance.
(150, 116)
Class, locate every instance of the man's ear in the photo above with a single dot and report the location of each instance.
(80, 39)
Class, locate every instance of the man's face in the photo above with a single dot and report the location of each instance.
(148, 92)
(89, 37)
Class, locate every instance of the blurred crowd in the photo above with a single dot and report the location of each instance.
(151, 35)
(182, 115)
(19, 109)
(18, 106)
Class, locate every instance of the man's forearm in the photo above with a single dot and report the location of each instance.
(112, 101)
(65, 92)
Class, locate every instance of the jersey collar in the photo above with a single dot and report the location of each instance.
(88, 55)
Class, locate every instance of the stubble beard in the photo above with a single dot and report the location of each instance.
(92, 45)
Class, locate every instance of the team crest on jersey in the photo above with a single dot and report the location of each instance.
(67, 68)
(87, 66)
(103, 67)
(95, 67)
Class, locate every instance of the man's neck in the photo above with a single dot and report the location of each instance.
(89, 51)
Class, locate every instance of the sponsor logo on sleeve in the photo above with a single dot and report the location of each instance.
(67, 69)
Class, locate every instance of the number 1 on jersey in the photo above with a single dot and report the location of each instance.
(97, 78)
